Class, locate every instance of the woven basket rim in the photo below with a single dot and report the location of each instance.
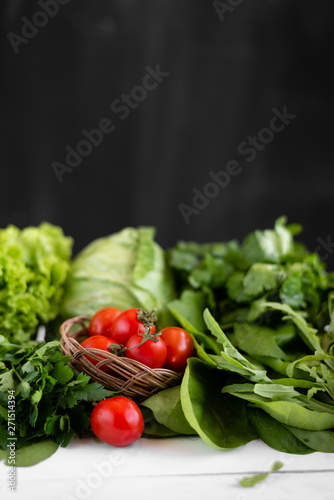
(128, 376)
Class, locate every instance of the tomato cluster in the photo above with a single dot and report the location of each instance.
(134, 330)
(118, 420)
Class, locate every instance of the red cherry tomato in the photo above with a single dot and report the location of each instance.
(101, 322)
(150, 353)
(180, 347)
(117, 421)
(98, 342)
(126, 325)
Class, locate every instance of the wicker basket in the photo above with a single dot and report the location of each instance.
(131, 377)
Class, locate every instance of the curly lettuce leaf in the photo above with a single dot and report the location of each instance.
(34, 264)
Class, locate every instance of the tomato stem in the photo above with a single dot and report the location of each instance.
(148, 319)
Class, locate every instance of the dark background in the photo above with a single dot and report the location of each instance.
(225, 78)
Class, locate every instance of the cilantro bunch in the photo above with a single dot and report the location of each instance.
(51, 400)
(270, 265)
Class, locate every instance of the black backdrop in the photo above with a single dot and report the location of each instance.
(229, 65)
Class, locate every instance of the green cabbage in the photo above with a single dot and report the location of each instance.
(124, 270)
(34, 263)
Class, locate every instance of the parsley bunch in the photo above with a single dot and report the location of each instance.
(51, 400)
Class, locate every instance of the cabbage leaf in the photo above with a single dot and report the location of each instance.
(124, 270)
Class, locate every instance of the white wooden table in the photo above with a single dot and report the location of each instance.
(171, 469)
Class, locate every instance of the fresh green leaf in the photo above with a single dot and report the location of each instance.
(308, 334)
(316, 440)
(167, 410)
(219, 419)
(33, 454)
(258, 341)
(248, 482)
(34, 264)
(126, 269)
(62, 372)
(188, 311)
(231, 358)
(152, 428)
(261, 278)
(275, 434)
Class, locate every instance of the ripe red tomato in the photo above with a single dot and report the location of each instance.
(126, 325)
(150, 353)
(180, 347)
(117, 421)
(98, 342)
(101, 322)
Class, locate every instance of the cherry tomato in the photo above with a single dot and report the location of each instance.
(98, 342)
(101, 322)
(117, 421)
(180, 347)
(150, 353)
(126, 325)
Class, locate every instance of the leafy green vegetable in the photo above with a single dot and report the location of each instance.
(258, 340)
(124, 270)
(231, 358)
(275, 434)
(317, 440)
(188, 310)
(219, 419)
(167, 410)
(52, 402)
(34, 263)
(267, 266)
(33, 453)
(248, 482)
(268, 337)
(152, 428)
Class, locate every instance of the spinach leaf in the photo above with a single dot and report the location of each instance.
(152, 428)
(317, 440)
(188, 311)
(33, 454)
(275, 434)
(259, 340)
(167, 410)
(219, 419)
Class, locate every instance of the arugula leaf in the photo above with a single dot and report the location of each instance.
(307, 333)
(231, 358)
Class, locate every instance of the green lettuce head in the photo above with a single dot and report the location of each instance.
(124, 270)
(34, 263)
